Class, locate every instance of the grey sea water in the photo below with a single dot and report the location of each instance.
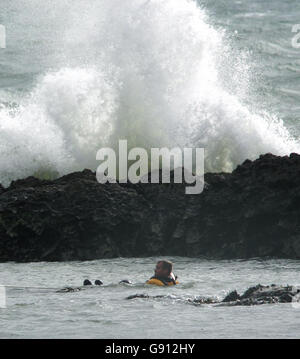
(265, 28)
(103, 312)
(77, 75)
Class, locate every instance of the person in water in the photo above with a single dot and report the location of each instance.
(163, 274)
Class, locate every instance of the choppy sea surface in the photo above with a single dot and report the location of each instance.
(78, 75)
(104, 312)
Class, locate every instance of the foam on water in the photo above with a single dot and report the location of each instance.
(151, 71)
(104, 312)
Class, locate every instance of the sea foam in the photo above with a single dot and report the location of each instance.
(154, 72)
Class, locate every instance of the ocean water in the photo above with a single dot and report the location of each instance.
(104, 312)
(79, 75)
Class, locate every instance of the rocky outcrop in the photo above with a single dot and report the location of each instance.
(253, 296)
(252, 212)
(264, 295)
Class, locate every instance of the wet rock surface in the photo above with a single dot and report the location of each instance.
(257, 295)
(264, 295)
(252, 212)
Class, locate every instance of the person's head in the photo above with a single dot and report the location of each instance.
(163, 268)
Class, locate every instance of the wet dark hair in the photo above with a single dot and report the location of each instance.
(167, 265)
(87, 282)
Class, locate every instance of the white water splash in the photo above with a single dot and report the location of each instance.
(153, 72)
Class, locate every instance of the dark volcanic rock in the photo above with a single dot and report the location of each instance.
(252, 212)
(257, 295)
(264, 295)
(231, 297)
(68, 290)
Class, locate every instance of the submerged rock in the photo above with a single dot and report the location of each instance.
(264, 295)
(69, 290)
(252, 212)
(253, 296)
(231, 297)
(135, 296)
(203, 300)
